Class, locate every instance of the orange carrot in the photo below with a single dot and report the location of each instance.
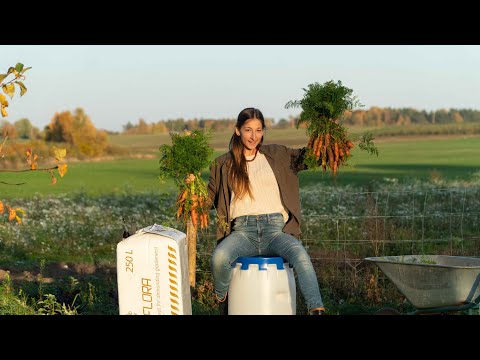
(204, 220)
(182, 196)
(319, 147)
(315, 144)
(310, 142)
(331, 158)
(179, 211)
(324, 157)
(194, 216)
(327, 139)
(195, 200)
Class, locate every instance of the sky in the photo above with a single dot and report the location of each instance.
(117, 84)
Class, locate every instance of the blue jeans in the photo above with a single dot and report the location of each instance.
(262, 235)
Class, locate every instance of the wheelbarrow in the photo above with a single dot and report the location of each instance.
(434, 283)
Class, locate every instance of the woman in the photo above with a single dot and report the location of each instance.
(255, 191)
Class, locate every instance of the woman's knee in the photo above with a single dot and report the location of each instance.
(220, 258)
(300, 257)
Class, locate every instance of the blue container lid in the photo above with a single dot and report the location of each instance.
(261, 261)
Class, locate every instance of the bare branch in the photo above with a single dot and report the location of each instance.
(25, 170)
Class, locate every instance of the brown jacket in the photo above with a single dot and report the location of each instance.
(285, 163)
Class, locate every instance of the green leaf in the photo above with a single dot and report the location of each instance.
(23, 88)
(3, 76)
(9, 89)
(19, 67)
(367, 144)
(25, 69)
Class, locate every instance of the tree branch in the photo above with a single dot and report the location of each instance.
(25, 170)
(5, 183)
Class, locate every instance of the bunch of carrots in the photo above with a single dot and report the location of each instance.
(329, 147)
(192, 202)
(323, 106)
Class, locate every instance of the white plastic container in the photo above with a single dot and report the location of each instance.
(262, 286)
(152, 273)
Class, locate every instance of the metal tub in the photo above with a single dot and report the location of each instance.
(433, 281)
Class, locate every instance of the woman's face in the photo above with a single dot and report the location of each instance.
(250, 133)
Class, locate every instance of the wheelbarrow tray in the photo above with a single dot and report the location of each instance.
(433, 281)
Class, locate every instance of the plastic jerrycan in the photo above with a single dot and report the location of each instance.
(262, 286)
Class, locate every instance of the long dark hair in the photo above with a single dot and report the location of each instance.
(238, 175)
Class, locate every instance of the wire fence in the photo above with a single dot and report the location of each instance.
(349, 226)
(340, 229)
(359, 224)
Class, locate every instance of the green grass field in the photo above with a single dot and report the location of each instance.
(403, 159)
(407, 160)
(93, 178)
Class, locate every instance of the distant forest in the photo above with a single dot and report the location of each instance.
(77, 128)
(373, 117)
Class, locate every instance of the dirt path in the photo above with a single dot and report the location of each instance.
(52, 272)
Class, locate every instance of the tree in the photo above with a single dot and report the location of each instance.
(127, 127)
(60, 128)
(25, 129)
(8, 129)
(59, 154)
(457, 117)
(86, 137)
(282, 124)
(78, 130)
(143, 127)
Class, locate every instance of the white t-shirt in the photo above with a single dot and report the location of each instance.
(266, 194)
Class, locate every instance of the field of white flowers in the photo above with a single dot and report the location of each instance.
(341, 226)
